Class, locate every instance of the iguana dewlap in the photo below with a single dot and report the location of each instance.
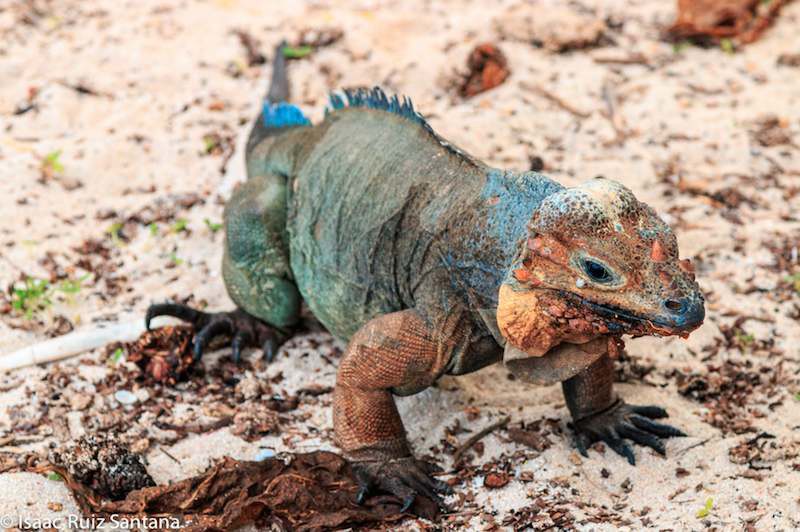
(429, 262)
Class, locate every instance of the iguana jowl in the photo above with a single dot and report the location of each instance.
(429, 262)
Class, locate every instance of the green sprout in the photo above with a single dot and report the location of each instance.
(212, 226)
(680, 46)
(32, 297)
(745, 339)
(175, 260)
(794, 280)
(211, 143)
(52, 475)
(36, 294)
(180, 225)
(153, 228)
(727, 46)
(51, 164)
(72, 286)
(117, 355)
(797, 397)
(115, 231)
(296, 52)
(706, 510)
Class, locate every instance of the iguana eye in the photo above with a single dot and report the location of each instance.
(597, 272)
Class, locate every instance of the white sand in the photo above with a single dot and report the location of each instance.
(163, 67)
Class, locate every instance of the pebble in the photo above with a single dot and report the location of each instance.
(125, 397)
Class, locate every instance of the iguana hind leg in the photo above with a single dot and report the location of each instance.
(393, 354)
(598, 414)
(256, 271)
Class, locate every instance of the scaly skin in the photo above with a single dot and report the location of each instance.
(428, 262)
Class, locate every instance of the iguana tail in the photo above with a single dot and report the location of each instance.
(277, 113)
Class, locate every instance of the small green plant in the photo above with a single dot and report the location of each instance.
(51, 165)
(797, 397)
(744, 339)
(212, 226)
(180, 225)
(31, 297)
(174, 259)
(680, 46)
(52, 475)
(794, 281)
(72, 286)
(727, 46)
(153, 228)
(117, 355)
(706, 510)
(296, 52)
(115, 231)
(212, 143)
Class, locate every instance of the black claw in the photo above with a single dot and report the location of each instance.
(582, 442)
(407, 502)
(642, 438)
(207, 333)
(613, 440)
(269, 349)
(182, 312)
(659, 429)
(425, 489)
(361, 496)
(653, 412)
(425, 485)
(240, 338)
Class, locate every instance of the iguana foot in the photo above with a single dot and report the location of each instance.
(404, 478)
(620, 421)
(243, 329)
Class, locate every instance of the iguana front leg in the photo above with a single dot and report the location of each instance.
(397, 353)
(598, 414)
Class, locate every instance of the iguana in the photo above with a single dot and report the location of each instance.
(429, 262)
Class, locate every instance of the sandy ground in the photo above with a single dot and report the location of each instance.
(133, 96)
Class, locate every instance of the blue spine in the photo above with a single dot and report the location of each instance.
(282, 114)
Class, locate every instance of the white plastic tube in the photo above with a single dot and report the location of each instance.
(78, 342)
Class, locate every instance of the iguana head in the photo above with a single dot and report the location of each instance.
(596, 262)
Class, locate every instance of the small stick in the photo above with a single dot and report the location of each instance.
(633, 59)
(169, 455)
(77, 342)
(477, 437)
(692, 446)
(555, 99)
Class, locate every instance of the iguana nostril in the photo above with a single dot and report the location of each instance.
(676, 306)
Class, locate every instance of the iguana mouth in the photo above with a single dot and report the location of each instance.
(621, 317)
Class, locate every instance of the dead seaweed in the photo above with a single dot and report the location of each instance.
(312, 491)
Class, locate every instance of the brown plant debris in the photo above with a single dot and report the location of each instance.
(312, 491)
(164, 355)
(254, 421)
(530, 435)
(770, 130)
(495, 481)
(730, 390)
(103, 464)
(488, 68)
(754, 451)
(742, 21)
(251, 47)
